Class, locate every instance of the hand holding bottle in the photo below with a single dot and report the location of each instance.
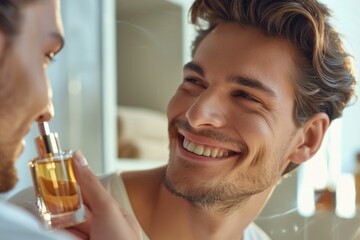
(105, 218)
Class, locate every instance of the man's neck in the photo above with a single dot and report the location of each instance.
(163, 215)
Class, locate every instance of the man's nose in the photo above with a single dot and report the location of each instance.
(47, 114)
(207, 111)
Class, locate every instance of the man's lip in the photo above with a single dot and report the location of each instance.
(24, 131)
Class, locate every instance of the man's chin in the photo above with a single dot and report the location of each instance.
(8, 179)
(8, 173)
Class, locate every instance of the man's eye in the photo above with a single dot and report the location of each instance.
(246, 96)
(192, 80)
(192, 86)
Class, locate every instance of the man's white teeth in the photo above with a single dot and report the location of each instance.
(207, 152)
(204, 151)
(191, 146)
(199, 150)
(214, 152)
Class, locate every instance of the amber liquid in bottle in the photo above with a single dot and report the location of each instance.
(58, 195)
(57, 187)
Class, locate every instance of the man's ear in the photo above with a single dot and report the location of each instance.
(311, 137)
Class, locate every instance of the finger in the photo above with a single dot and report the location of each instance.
(92, 191)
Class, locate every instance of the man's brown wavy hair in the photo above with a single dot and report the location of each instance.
(326, 78)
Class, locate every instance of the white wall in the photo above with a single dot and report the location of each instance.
(149, 53)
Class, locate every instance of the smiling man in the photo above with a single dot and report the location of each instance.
(265, 81)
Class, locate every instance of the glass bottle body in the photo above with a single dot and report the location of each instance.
(58, 195)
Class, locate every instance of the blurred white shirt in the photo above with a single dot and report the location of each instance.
(16, 224)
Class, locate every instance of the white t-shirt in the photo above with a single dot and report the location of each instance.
(18, 224)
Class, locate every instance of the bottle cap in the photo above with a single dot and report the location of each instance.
(48, 142)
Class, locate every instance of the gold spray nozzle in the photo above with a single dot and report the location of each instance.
(48, 142)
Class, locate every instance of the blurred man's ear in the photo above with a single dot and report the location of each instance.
(312, 135)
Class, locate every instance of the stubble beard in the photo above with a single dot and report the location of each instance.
(224, 194)
(221, 195)
(8, 174)
(221, 198)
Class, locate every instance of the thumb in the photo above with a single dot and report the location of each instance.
(108, 219)
(92, 191)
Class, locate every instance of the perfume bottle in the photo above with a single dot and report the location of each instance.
(58, 197)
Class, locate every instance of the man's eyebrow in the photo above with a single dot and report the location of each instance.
(59, 38)
(253, 83)
(192, 66)
(240, 80)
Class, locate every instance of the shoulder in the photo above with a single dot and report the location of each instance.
(253, 232)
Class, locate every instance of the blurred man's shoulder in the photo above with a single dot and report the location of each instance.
(16, 223)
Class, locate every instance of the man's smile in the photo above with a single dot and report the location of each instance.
(207, 151)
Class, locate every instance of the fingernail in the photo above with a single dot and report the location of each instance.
(80, 158)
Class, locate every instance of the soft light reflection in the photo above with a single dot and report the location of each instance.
(345, 196)
(321, 172)
(305, 191)
(74, 87)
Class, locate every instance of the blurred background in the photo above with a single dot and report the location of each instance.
(122, 62)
